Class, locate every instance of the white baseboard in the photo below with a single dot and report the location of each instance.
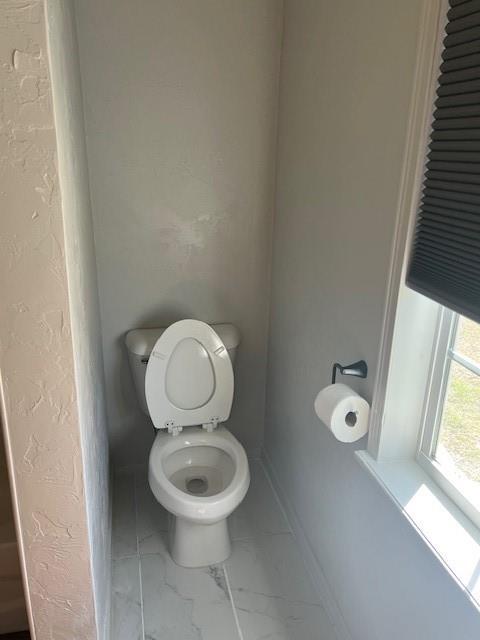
(309, 557)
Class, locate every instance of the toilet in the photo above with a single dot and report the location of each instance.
(198, 471)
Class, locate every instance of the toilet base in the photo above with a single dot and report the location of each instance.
(198, 545)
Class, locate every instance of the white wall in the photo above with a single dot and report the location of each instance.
(180, 102)
(346, 81)
(43, 416)
(83, 294)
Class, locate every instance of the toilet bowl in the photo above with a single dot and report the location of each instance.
(198, 470)
(200, 478)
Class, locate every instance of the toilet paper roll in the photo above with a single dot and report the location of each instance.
(343, 411)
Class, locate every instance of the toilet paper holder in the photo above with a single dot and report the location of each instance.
(358, 369)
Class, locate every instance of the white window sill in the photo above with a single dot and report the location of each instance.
(451, 536)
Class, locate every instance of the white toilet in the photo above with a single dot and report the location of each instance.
(197, 469)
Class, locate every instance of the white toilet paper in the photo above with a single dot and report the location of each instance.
(343, 411)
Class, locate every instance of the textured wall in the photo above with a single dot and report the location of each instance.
(36, 359)
(347, 77)
(83, 293)
(180, 103)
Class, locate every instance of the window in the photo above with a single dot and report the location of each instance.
(444, 261)
(450, 441)
(424, 429)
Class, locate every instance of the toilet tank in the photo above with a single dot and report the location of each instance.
(140, 342)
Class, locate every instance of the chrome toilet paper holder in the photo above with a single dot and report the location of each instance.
(358, 369)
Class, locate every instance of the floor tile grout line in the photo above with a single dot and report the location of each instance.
(230, 594)
(134, 475)
(141, 596)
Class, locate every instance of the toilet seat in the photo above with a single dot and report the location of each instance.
(189, 378)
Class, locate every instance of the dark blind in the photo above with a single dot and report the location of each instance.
(445, 260)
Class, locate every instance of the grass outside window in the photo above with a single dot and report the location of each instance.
(458, 443)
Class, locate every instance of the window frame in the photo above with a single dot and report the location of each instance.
(406, 345)
(443, 354)
(415, 329)
(394, 431)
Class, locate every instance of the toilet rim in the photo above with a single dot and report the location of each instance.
(182, 503)
(236, 453)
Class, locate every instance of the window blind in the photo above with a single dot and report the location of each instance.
(445, 257)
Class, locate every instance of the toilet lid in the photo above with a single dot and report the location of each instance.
(189, 377)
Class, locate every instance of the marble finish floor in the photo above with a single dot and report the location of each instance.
(263, 591)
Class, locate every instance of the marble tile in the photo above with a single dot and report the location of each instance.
(188, 604)
(259, 513)
(126, 600)
(124, 537)
(152, 518)
(272, 592)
